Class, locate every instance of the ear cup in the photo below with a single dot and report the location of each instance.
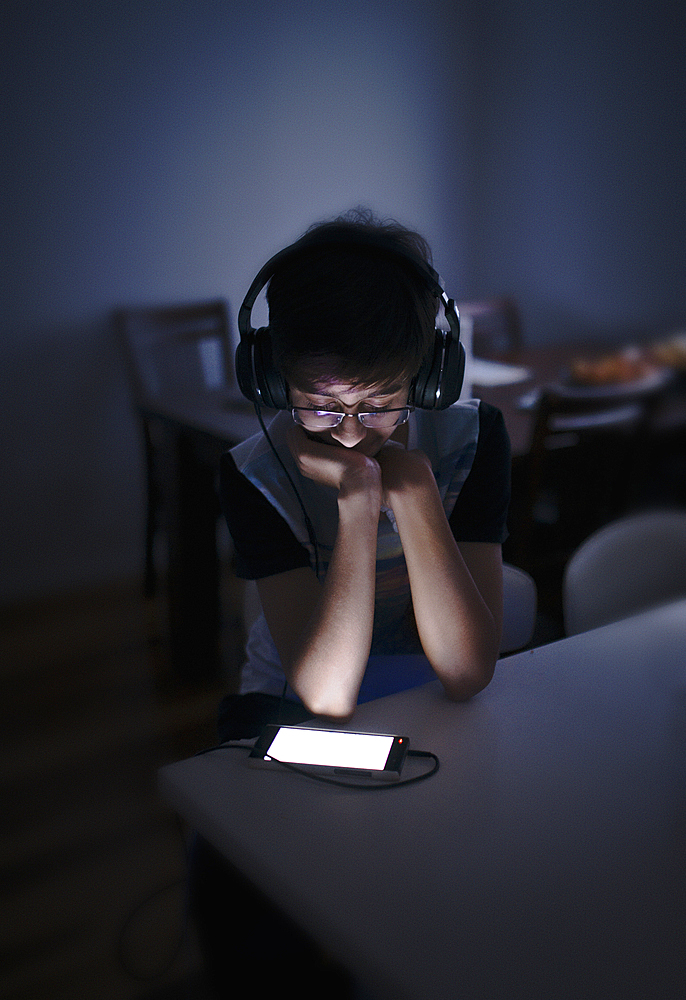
(443, 370)
(453, 374)
(426, 382)
(271, 384)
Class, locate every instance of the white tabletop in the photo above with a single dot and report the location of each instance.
(545, 860)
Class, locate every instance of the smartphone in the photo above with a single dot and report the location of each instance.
(332, 751)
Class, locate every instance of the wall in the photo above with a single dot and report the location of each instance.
(161, 151)
(579, 153)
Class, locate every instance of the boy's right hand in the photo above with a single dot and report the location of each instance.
(343, 469)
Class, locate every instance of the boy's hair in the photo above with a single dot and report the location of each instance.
(352, 312)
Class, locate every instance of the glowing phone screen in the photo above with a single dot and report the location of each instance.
(331, 749)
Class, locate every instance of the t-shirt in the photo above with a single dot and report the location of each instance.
(279, 520)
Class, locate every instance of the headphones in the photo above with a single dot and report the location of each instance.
(439, 381)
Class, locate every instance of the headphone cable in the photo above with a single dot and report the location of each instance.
(306, 517)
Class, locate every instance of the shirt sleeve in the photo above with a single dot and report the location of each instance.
(264, 544)
(480, 511)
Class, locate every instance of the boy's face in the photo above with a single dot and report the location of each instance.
(350, 399)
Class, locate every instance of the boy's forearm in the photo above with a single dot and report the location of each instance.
(457, 629)
(327, 669)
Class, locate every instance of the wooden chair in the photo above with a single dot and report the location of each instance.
(584, 462)
(168, 349)
(496, 327)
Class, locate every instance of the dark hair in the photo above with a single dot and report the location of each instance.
(354, 312)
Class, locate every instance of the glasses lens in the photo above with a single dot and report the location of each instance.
(384, 419)
(316, 420)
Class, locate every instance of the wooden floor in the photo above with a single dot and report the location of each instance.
(91, 884)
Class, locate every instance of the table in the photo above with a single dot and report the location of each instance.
(192, 431)
(545, 860)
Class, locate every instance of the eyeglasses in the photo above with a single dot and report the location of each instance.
(321, 420)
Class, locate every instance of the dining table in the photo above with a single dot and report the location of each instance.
(545, 858)
(195, 429)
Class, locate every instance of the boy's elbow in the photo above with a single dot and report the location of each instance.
(466, 683)
(341, 710)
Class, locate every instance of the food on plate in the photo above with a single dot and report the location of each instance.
(671, 351)
(611, 369)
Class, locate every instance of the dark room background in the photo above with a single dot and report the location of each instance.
(159, 151)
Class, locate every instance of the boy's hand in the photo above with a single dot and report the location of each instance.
(343, 469)
(402, 470)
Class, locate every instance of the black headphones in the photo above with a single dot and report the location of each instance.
(440, 378)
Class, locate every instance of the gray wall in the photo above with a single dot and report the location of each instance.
(161, 151)
(580, 165)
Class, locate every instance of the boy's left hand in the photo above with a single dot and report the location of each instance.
(402, 470)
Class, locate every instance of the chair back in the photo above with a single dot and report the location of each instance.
(496, 327)
(520, 602)
(176, 347)
(565, 414)
(170, 349)
(582, 465)
(624, 567)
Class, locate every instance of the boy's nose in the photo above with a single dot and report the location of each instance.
(349, 432)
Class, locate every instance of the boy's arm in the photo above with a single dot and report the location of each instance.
(456, 589)
(323, 632)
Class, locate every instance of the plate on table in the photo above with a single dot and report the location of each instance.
(626, 371)
(615, 374)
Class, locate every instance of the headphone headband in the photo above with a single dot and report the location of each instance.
(437, 385)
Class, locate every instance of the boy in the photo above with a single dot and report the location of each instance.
(370, 515)
(372, 524)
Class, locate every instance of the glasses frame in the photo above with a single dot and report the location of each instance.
(339, 414)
